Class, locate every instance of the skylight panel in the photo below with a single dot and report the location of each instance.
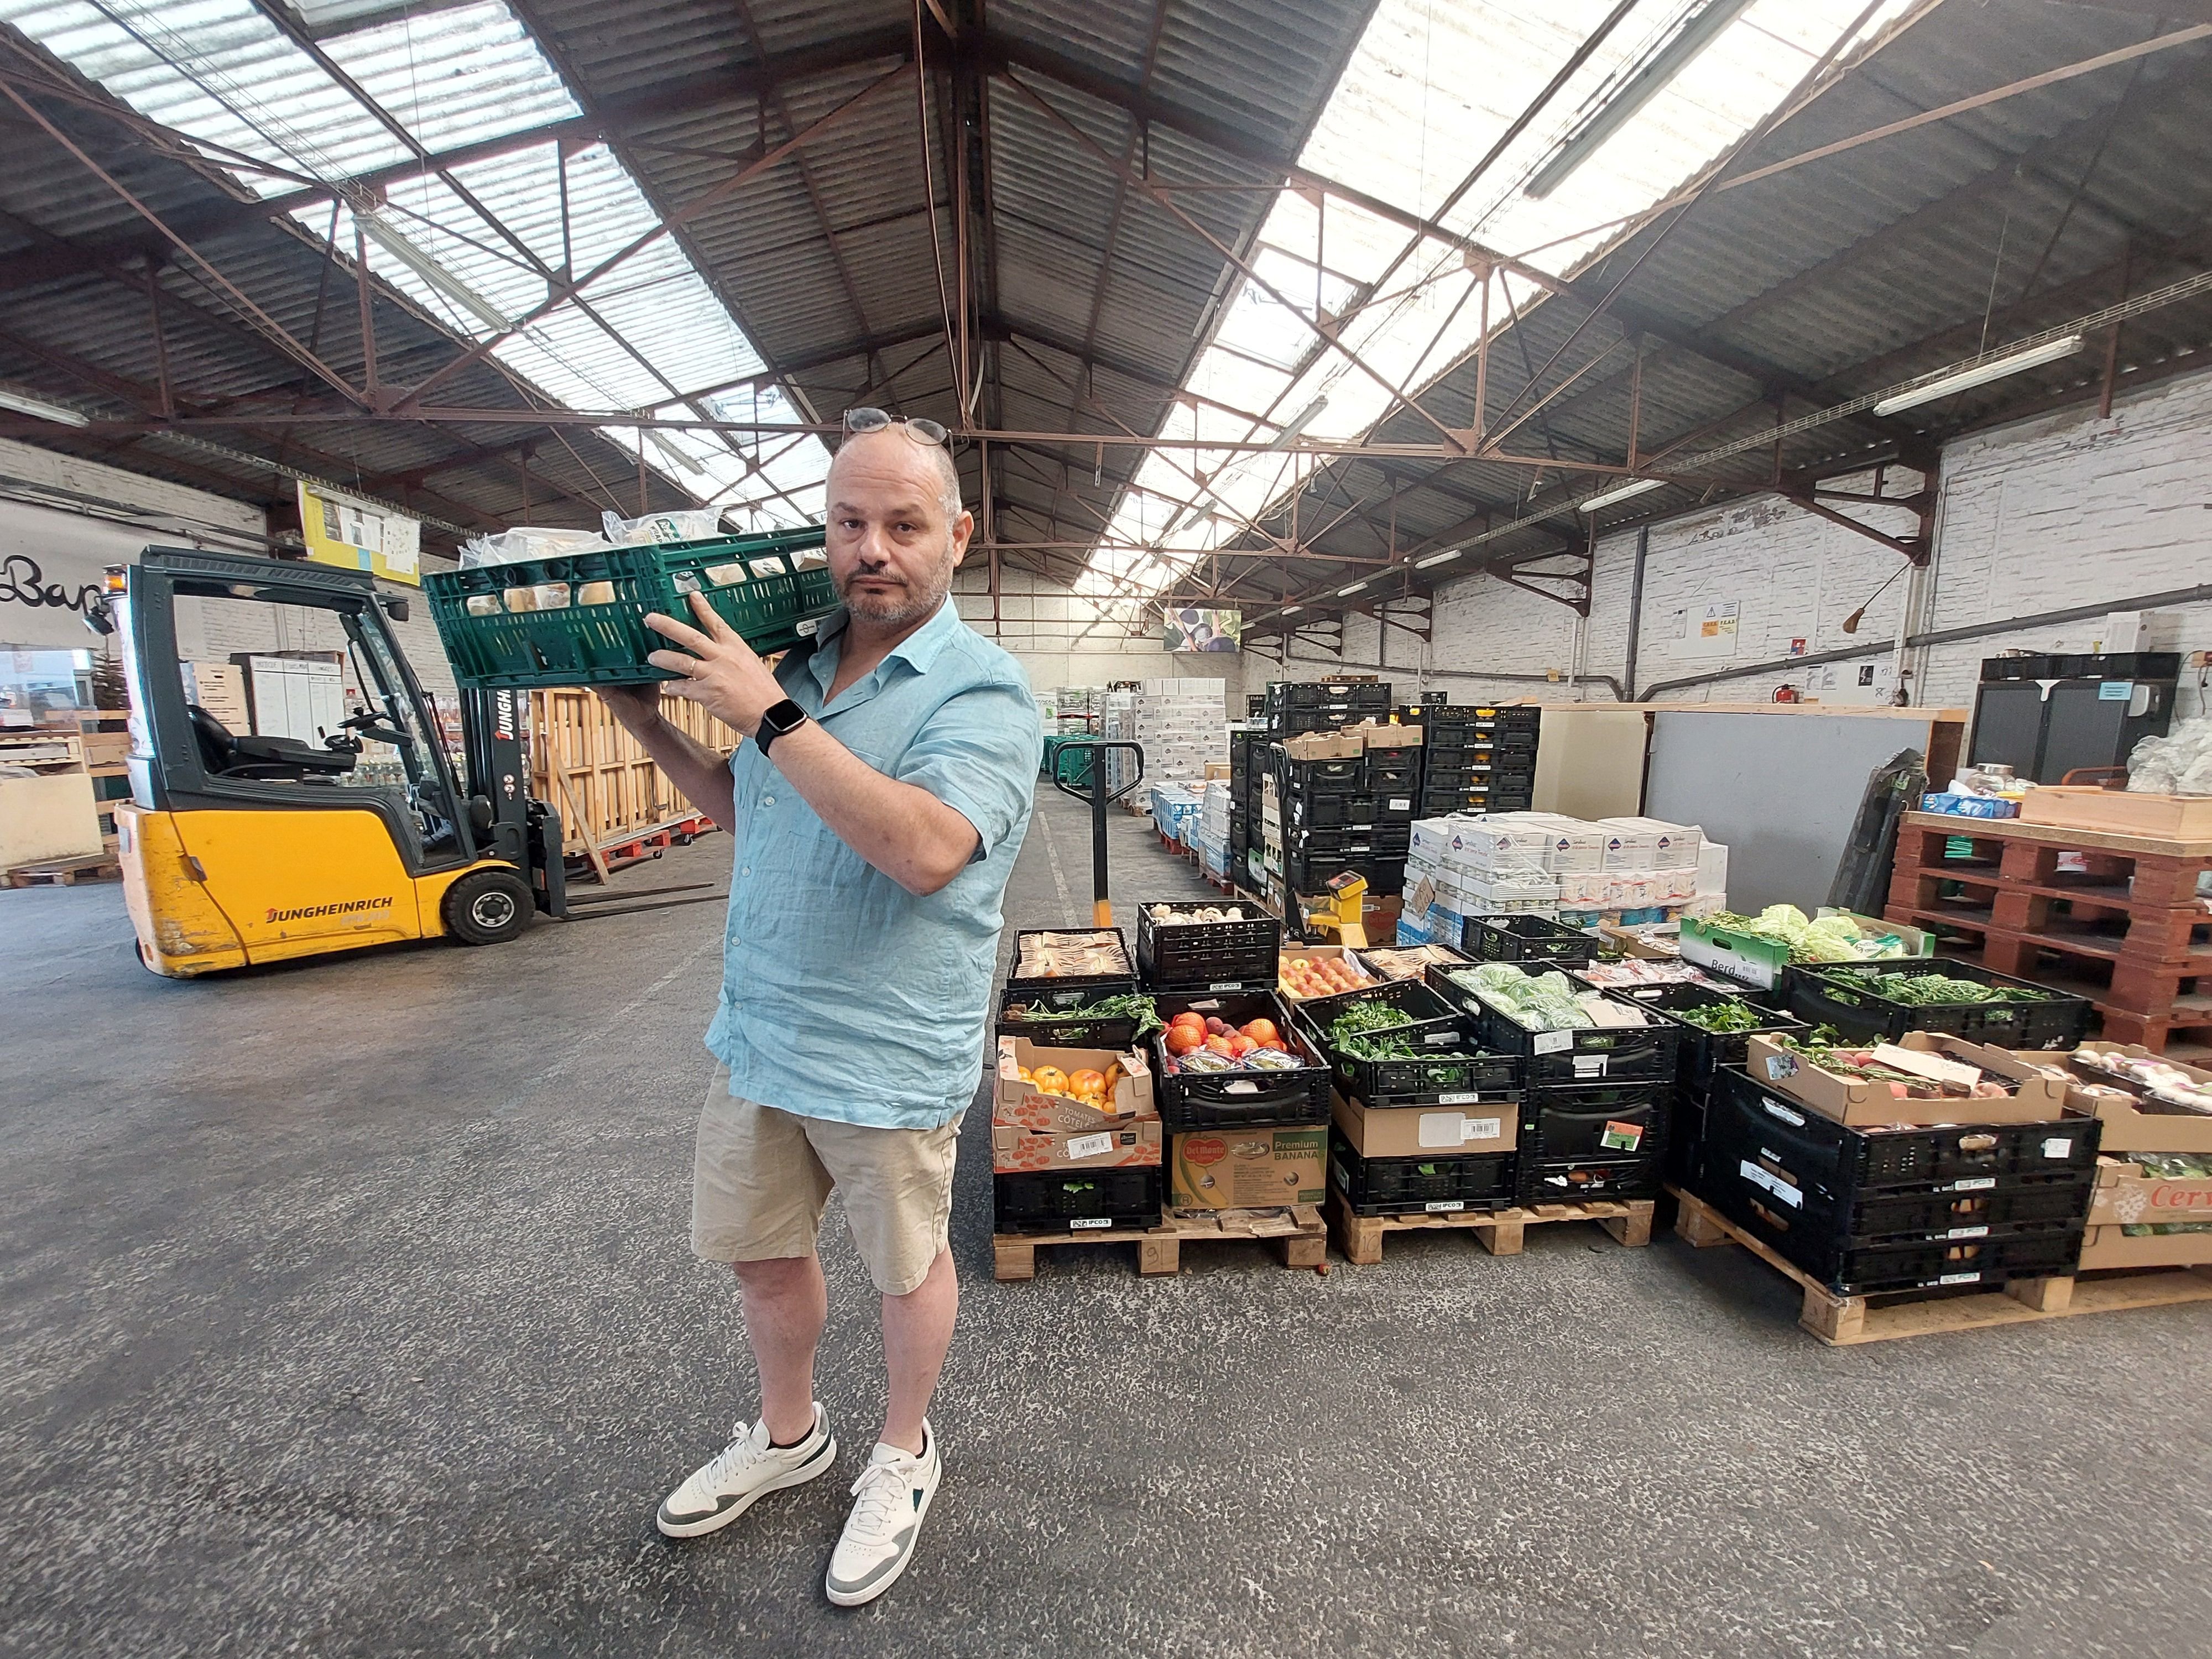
(219, 72)
(1429, 91)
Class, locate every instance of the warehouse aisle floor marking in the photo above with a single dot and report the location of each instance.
(1059, 875)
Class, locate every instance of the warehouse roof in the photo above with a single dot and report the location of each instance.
(753, 212)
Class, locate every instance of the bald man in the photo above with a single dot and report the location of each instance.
(876, 806)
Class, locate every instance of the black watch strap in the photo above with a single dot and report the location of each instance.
(776, 720)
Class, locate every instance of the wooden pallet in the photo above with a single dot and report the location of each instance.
(2126, 929)
(1360, 1237)
(66, 872)
(1299, 1231)
(1844, 1321)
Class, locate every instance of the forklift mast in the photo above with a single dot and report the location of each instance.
(496, 748)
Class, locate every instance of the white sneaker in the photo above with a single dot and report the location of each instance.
(889, 1499)
(741, 1472)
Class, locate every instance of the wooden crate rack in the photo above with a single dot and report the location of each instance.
(611, 796)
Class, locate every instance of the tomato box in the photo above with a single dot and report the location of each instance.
(1247, 1169)
(2037, 1098)
(1016, 1102)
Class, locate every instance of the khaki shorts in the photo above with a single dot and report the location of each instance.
(760, 1177)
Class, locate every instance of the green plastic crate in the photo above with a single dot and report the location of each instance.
(526, 625)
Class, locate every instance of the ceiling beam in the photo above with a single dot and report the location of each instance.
(612, 120)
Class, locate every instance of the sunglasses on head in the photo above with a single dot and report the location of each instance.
(859, 421)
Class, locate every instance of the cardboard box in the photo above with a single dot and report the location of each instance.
(2111, 1247)
(1247, 1169)
(2040, 1097)
(1131, 1144)
(1458, 1131)
(1379, 735)
(2128, 1193)
(1024, 1104)
(2120, 813)
(2128, 1127)
(1325, 745)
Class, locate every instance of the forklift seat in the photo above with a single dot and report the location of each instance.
(224, 754)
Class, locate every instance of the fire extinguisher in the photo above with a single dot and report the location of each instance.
(1787, 694)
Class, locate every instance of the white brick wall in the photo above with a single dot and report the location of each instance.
(2062, 510)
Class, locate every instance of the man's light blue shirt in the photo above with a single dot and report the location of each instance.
(845, 996)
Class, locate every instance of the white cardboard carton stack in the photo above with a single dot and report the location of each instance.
(1543, 863)
(1183, 724)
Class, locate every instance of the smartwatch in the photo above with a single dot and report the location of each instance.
(778, 719)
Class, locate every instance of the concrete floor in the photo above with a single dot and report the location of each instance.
(345, 1308)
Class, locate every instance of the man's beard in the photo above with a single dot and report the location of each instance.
(894, 610)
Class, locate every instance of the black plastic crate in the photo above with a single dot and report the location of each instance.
(1400, 1186)
(1824, 995)
(1102, 984)
(1392, 840)
(1328, 811)
(1396, 769)
(1062, 1030)
(1325, 777)
(1472, 1075)
(1526, 938)
(1398, 810)
(1584, 1180)
(1594, 1055)
(1702, 1052)
(1077, 1200)
(1586, 1122)
(1235, 1100)
(1208, 956)
(1849, 1267)
(1837, 1162)
(2028, 1203)
(1435, 1023)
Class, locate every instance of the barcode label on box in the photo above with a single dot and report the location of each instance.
(1470, 1097)
(1442, 1205)
(1974, 1184)
(1089, 1145)
(1589, 1064)
(1960, 1278)
(1082, 1221)
(1401, 804)
(2058, 1146)
(1439, 1039)
(1967, 1232)
(1552, 1042)
(1227, 985)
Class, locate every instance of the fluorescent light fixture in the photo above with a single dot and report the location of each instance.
(1300, 422)
(1696, 34)
(1354, 588)
(1966, 380)
(1636, 488)
(23, 403)
(1435, 558)
(1292, 610)
(418, 260)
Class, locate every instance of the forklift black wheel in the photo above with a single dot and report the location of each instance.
(487, 907)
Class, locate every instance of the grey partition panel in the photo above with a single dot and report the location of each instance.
(1781, 791)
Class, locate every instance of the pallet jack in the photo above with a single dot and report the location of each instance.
(1094, 790)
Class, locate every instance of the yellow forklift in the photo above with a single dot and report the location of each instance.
(240, 846)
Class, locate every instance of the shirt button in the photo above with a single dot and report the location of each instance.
(747, 871)
(767, 800)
